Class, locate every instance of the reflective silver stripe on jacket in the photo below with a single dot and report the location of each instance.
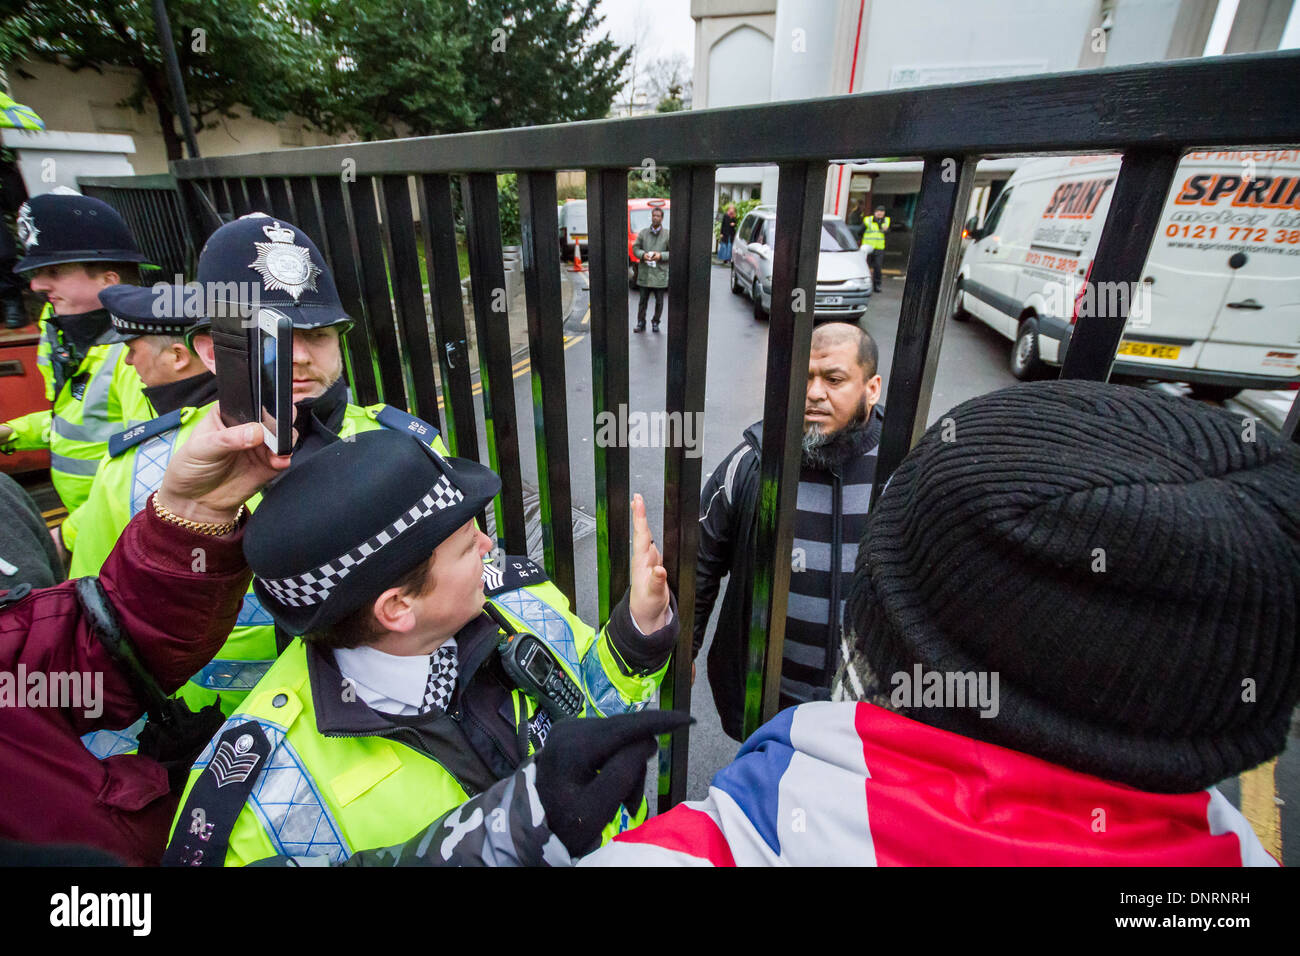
(95, 427)
(82, 433)
(84, 467)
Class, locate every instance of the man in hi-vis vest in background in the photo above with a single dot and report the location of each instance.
(873, 240)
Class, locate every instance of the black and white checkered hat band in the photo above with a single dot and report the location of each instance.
(126, 325)
(314, 587)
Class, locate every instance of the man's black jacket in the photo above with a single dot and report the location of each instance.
(728, 533)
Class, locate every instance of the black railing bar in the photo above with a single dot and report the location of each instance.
(800, 191)
(255, 187)
(277, 199)
(237, 189)
(156, 209)
(1207, 102)
(408, 296)
(450, 336)
(141, 181)
(927, 298)
(344, 256)
(306, 212)
(491, 323)
(375, 291)
(539, 242)
(1136, 204)
(689, 276)
(607, 273)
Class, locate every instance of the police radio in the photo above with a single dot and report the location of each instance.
(537, 671)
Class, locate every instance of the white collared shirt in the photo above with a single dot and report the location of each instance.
(388, 683)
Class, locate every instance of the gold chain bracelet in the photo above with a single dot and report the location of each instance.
(210, 528)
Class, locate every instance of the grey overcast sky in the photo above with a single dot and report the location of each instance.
(667, 24)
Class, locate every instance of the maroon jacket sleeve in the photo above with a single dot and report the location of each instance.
(176, 594)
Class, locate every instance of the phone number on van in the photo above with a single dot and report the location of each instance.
(1051, 262)
(1240, 233)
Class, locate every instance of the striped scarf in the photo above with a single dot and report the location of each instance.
(831, 516)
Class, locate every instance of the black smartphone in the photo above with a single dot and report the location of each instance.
(233, 350)
(274, 338)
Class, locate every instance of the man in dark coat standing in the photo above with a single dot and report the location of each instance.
(651, 250)
(842, 425)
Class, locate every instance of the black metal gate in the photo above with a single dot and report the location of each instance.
(355, 200)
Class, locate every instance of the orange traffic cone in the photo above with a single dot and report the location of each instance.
(577, 257)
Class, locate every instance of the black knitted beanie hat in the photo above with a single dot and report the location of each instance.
(1126, 562)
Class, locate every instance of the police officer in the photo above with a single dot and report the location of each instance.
(75, 246)
(255, 260)
(408, 693)
(873, 240)
(176, 385)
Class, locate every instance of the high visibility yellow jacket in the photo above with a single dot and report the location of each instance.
(17, 116)
(100, 399)
(323, 775)
(873, 235)
(128, 475)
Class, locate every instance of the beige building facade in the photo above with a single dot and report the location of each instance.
(86, 101)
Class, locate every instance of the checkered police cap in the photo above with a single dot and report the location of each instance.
(314, 587)
(148, 310)
(338, 529)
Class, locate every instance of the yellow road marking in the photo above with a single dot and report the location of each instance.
(1259, 806)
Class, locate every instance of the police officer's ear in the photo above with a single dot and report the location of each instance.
(394, 610)
(178, 355)
(202, 344)
(105, 277)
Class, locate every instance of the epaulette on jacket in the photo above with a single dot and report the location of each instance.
(400, 421)
(123, 441)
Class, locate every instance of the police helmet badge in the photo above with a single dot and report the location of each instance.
(28, 234)
(283, 264)
(233, 764)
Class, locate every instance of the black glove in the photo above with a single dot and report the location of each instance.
(588, 767)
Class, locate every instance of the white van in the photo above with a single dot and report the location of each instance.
(1218, 304)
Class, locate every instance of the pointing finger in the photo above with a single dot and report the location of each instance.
(641, 540)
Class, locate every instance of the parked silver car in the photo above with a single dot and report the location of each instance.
(843, 280)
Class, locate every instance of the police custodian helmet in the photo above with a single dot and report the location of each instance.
(55, 228)
(271, 263)
(391, 500)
